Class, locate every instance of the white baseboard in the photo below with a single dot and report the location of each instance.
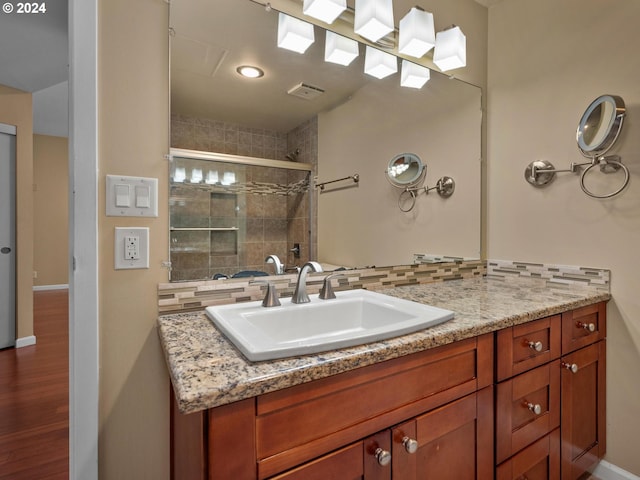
(609, 471)
(63, 286)
(25, 341)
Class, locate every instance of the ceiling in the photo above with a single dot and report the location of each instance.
(34, 48)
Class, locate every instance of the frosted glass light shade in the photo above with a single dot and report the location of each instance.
(196, 175)
(451, 49)
(324, 10)
(339, 49)
(179, 175)
(294, 34)
(374, 18)
(379, 64)
(417, 34)
(414, 76)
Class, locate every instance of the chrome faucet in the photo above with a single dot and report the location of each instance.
(300, 293)
(279, 267)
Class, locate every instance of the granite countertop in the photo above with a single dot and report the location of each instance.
(207, 370)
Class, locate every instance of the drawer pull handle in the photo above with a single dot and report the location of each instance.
(587, 326)
(383, 456)
(410, 445)
(537, 346)
(572, 367)
(535, 408)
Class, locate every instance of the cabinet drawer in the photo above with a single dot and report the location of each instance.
(301, 422)
(583, 326)
(517, 402)
(539, 461)
(526, 346)
(353, 462)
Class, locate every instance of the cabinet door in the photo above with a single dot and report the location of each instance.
(539, 461)
(358, 461)
(583, 400)
(452, 442)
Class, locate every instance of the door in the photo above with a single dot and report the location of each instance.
(7, 236)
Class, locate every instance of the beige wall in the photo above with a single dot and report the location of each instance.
(15, 109)
(51, 210)
(133, 138)
(361, 225)
(547, 61)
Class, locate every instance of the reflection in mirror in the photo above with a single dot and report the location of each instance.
(600, 125)
(335, 118)
(406, 170)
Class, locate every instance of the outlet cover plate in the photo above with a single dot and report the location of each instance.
(121, 236)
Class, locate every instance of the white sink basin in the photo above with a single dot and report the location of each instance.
(353, 318)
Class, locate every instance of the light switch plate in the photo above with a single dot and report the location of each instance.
(132, 196)
(131, 248)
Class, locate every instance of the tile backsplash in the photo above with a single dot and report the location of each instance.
(192, 296)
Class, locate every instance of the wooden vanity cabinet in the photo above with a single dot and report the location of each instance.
(309, 430)
(551, 383)
(583, 387)
(535, 411)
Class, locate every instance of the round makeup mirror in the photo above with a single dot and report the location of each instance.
(406, 170)
(600, 125)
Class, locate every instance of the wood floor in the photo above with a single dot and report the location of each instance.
(34, 397)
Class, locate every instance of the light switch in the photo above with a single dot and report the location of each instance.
(122, 195)
(142, 196)
(131, 196)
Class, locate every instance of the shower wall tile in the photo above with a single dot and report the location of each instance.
(270, 220)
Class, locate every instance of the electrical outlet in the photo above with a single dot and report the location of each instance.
(131, 247)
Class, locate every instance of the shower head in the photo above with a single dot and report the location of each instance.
(293, 156)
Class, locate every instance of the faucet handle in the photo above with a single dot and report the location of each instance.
(271, 297)
(327, 293)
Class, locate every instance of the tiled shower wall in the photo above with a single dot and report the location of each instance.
(271, 223)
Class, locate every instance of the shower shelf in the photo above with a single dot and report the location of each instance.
(204, 229)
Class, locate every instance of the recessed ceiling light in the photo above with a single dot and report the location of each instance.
(249, 71)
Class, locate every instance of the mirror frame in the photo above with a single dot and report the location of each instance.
(411, 182)
(609, 129)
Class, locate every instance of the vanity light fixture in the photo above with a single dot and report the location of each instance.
(294, 34)
(413, 75)
(179, 175)
(373, 18)
(324, 10)
(212, 177)
(228, 178)
(417, 33)
(249, 71)
(339, 49)
(196, 175)
(379, 64)
(451, 49)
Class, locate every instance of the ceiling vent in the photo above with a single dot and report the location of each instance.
(306, 91)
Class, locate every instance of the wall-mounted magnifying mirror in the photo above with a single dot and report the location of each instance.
(598, 131)
(600, 125)
(406, 170)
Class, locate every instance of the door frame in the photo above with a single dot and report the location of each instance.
(84, 375)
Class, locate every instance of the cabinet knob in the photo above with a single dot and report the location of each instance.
(410, 445)
(535, 408)
(587, 326)
(572, 367)
(537, 346)
(383, 456)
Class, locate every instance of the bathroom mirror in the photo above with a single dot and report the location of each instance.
(406, 170)
(600, 125)
(337, 119)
